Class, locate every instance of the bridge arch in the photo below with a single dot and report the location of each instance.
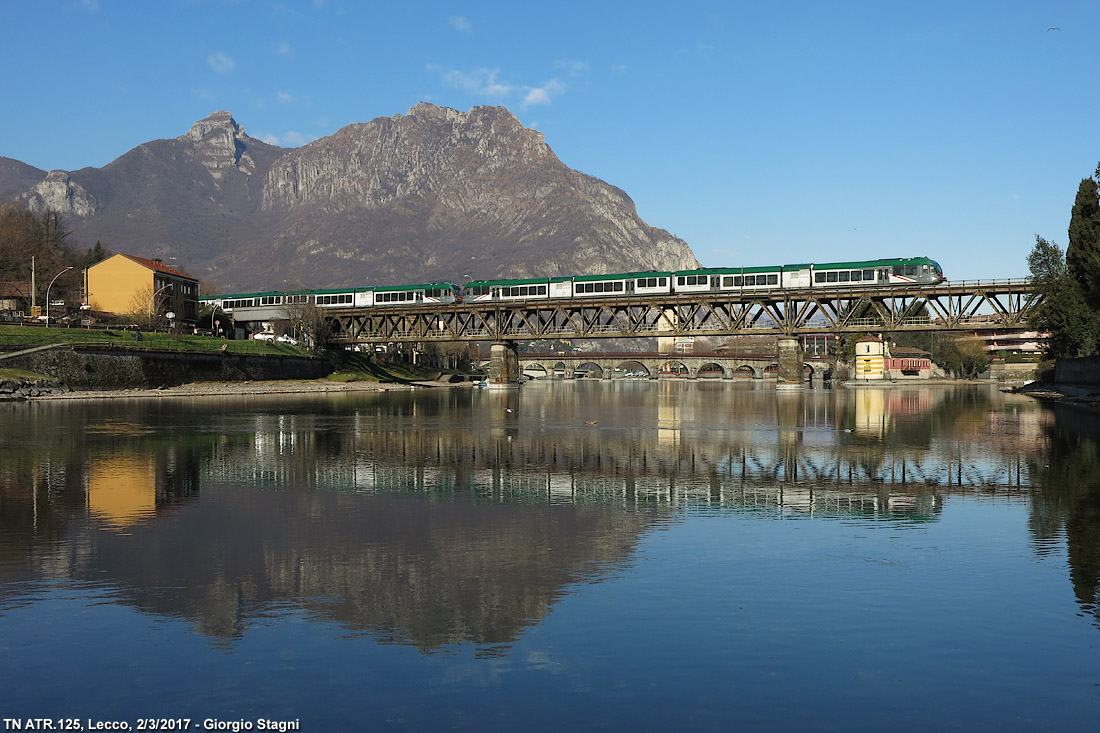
(588, 369)
(710, 370)
(631, 368)
(536, 370)
(746, 371)
(673, 369)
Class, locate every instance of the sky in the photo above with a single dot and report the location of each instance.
(758, 132)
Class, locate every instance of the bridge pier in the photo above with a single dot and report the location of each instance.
(504, 364)
(790, 363)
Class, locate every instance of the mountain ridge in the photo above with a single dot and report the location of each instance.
(434, 194)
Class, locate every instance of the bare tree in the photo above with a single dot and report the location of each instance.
(309, 325)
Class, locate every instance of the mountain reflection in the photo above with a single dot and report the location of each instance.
(453, 517)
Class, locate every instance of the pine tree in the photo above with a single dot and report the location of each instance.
(1083, 252)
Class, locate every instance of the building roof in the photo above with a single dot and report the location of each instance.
(908, 352)
(158, 266)
(868, 337)
(15, 289)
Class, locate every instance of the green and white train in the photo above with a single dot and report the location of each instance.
(884, 273)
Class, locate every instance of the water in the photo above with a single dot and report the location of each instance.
(568, 556)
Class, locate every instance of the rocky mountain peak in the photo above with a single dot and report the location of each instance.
(430, 195)
(221, 143)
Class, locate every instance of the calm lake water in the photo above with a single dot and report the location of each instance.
(567, 556)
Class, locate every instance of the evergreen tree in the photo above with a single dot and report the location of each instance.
(1083, 252)
(1063, 311)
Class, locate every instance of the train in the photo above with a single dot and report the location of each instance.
(881, 273)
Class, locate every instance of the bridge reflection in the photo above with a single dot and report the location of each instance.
(319, 506)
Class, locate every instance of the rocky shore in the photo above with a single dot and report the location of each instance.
(1077, 394)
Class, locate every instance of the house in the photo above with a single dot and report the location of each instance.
(134, 285)
(904, 363)
(15, 297)
(870, 358)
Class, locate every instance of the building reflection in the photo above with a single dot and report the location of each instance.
(460, 517)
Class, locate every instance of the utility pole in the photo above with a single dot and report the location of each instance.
(33, 301)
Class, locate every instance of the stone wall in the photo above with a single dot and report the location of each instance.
(1078, 371)
(115, 368)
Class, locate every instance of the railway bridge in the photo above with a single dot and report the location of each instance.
(969, 307)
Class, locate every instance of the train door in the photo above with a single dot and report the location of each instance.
(715, 283)
(883, 275)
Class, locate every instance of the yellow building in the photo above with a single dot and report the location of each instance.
(128, 284)
(870, 358)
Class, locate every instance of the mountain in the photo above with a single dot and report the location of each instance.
(434, 194)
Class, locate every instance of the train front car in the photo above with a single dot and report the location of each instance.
(915, 270)
(877, 273)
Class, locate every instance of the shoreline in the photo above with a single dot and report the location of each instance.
(242, 389)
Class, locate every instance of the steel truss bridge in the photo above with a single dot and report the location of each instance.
(963, 306)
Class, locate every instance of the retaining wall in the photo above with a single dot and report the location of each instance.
(104, 367)
(1085, 370)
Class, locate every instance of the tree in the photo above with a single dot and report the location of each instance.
(1063, 311)
(42, 236)
(966, 356)
(310, 325)
(1083, 251)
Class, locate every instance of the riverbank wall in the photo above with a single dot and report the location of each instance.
(107, 367)
(1085, 370)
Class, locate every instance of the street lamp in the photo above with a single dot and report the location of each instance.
(153, 300)
(48, 293)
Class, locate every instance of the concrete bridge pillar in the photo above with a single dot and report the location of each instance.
(504, 364)
(790, 362)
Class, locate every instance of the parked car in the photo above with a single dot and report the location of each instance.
(286, 340)
(264, 336)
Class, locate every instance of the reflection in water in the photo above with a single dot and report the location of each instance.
(458, 516)
(1066, 498)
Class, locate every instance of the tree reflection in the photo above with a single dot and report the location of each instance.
(1066, 499)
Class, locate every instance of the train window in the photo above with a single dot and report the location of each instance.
(773, 279)
(750, 280)
(727, 282)
(831, 277)
(619, 286)
(868, 274)
(843, 276)
(737, 282)
(819, 277)
(680, 281)
(856, 275)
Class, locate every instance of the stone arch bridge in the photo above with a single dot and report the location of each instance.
(655, 365)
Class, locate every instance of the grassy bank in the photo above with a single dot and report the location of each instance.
(354, 367)
(18, 337)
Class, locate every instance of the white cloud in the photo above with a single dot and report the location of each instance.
(220, 62)
(573, 66)
(460, 24)
(284, 97)
(618, 69)
(487, 83)
(543, 94)
(280, 48)
(479, 81)
(289, 139)
(89, 5)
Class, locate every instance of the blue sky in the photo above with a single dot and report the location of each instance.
(760, 133)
